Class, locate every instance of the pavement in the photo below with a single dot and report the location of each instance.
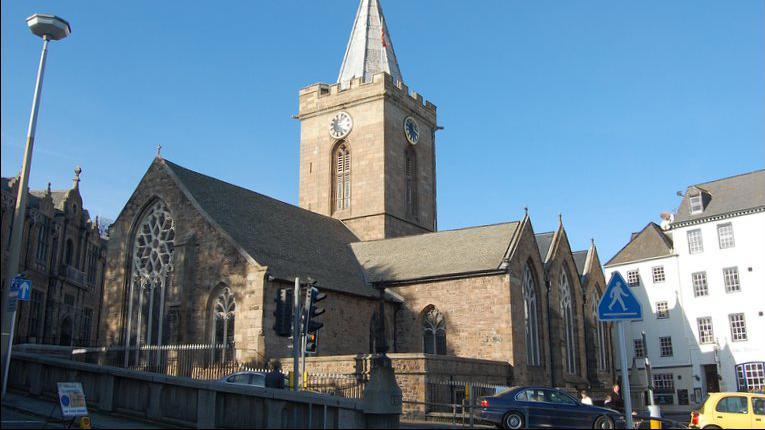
(19, 412)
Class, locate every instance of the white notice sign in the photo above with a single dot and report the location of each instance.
(72, 399)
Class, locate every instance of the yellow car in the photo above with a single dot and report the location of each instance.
(730, 411)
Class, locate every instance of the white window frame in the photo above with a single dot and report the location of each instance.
(638, 348)
(725, 237)
(633, 278)
(731, 279)
(695, 241)
(662, 310)
(658, 274)
(696, 204)
(700, 284)
(706, 330)
(665, 346)
(664, 383)
(737, 324)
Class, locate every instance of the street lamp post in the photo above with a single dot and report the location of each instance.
(48, 27)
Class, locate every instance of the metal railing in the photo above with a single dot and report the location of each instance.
(450, 401)
(343, 385)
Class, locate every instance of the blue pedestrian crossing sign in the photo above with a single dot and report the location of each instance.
(21, 288)
(618, 303)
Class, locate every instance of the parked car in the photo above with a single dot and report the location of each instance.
(730, 410)
(256, 379)
(533, 407)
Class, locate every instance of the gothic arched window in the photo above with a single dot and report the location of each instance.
(411, 182)
(151, 264)
(600, 331)
(223, 317)
(533, 356)
(434, 332)
(342, 177)
(69, 252)
(567, 315)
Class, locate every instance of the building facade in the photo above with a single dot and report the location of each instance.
(63, 253)
(699, 279)
(192, 259)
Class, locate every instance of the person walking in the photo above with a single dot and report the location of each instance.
(275, 377)
(616, 398)
(586, 399)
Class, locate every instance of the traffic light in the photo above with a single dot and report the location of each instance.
(313, 296)
(311, 342)
(283, 312)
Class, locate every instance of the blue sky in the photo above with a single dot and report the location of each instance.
(599, 110)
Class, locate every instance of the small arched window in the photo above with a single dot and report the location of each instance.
(342, 177)
(411, 182)
(531, 317)
(567, 315)
(434, 332)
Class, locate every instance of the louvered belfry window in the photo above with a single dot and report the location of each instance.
(411, 183)
(342, 177)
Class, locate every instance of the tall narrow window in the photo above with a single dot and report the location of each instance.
(639, 348)
(695, 243)
(224, 317)
(665, 346)
(737, 327)
(342, 177)
(600, 331)
(696, 204)
(43, 237)
(411, 183)
(93, 252)
(706, 332)
(567, 315)
(732, 281)
(68, 255)
(35, 313)
(700, 286)
(434, 332)
(151, 265)
(531, 317)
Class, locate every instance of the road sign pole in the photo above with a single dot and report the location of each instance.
(626, 395)
(12, 306)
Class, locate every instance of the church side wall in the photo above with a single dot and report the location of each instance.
(346, 321)
(203, 260)
(476, 310)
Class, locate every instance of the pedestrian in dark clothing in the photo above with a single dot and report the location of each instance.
(275, 378)
(617, 402)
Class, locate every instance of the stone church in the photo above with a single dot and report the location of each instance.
(193, 259)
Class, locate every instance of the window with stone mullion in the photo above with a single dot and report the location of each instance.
(567, 315)
(342, 177)
(533, 356)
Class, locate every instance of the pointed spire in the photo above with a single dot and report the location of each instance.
(76, 180)
(370, 50)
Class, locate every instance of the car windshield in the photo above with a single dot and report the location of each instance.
(504, 391)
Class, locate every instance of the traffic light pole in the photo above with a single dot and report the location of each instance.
(296, 335)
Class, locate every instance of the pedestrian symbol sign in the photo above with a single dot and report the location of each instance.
(618, 303)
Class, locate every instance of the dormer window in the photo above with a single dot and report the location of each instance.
(697, 204)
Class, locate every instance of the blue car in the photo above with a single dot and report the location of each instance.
(535, 407)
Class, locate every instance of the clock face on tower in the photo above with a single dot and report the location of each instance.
(411, 130)
(341, 125)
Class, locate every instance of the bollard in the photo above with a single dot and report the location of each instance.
(655, 412)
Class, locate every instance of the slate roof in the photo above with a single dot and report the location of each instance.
(580, 259)
(442, 253)
(651, 242)
(727, 195)
(58, 197)
(544, 240)
(289, 240)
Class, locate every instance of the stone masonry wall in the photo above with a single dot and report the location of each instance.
(204, 263)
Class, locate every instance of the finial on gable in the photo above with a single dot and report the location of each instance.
(159, 150)
(76, 180)
(48, 191)
(560, 219)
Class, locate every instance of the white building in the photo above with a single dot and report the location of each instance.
(701, 282)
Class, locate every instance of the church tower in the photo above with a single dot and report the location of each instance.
(367, 151)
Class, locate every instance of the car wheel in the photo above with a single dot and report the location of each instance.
(604, 422)
(512, 420)
(712, 427)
